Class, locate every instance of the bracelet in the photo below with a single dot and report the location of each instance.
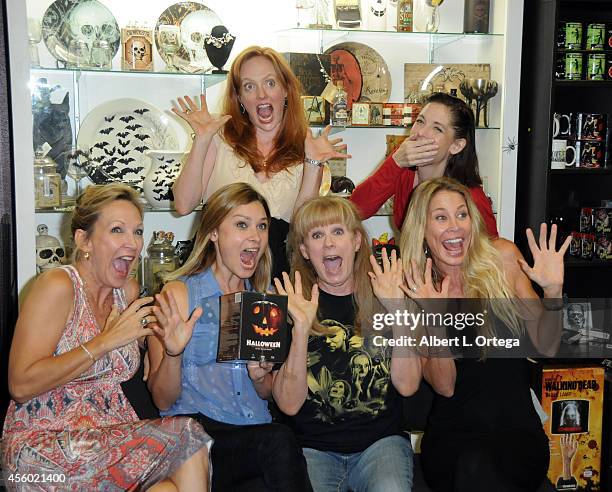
(551, 304)
(93, 359)
(314, 162)
(173, 355)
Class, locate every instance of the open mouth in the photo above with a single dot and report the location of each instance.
(332, 263)
(454, 246)
(123, 265)
(248, 258)
(265, 112)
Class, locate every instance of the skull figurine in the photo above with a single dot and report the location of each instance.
(194, 29)
(49, 251)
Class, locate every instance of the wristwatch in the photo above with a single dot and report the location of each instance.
(314, 162)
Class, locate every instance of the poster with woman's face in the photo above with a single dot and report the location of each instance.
(570, 416)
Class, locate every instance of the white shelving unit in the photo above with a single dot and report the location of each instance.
(501, 49)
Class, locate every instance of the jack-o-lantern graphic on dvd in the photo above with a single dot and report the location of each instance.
(267, 318)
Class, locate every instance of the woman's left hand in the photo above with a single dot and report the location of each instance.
(321, 148)
(547, 270)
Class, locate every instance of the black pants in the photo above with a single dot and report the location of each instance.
(262, 457)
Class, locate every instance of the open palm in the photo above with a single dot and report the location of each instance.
(198, 117)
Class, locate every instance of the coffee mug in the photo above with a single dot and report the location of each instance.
(591, 153)
(559, 158)
(562, 125)
(591, 126)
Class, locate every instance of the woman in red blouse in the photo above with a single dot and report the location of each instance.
(441, 143)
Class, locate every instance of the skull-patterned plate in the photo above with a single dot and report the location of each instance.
(117, 135)
(73, 20)
(195, 20)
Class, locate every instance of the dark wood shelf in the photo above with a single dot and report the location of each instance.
(584, 171)
(571, 262)
(582, 83)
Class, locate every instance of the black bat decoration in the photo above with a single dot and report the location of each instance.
(126, 160)
(141, 137)
(107, 131)
(123, 143)
(142, 148)
(127, 119)
(101, 145)
(141, 111)
(123, 134)
(109, 118)
(110, 152)
(133, 127)
(123, 152)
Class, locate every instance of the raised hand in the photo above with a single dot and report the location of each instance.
(303, 312)
(547, 270)
(201, 121)
(424, 288)
(387, 281)
(321, 148)
(121, 329)
(415, 151)
(173, 330)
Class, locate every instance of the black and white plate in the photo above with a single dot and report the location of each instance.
(117, 135)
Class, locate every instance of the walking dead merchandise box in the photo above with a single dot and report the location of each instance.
(573, 399)
(253, 326)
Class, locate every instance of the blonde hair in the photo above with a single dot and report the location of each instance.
(322, 211)
(482, 268)
(218, 207)
(90, 203)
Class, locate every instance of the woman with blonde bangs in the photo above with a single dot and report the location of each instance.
(342, 400)
(474, 436)
(230, 254)
(261, 139)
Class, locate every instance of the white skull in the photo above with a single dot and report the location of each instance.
(90, 20)
(49, 251)
(138, 50)
(194, 29)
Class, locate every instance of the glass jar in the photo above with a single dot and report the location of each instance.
(47, 182)
(160, 261)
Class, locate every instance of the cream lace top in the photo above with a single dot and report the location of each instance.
(280, 191)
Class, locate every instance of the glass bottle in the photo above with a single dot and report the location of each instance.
(101, 55)
(405, 15)
(476, 16)
(47, 182)
(161, 260)
(339, 109)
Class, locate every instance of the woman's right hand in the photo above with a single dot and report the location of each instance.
(415, 151)
(173, 330)
(303, 312)
(424, 288)
(121, 329)
(201, 121)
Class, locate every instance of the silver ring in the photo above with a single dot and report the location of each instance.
(414, 289)
(143, 322)
(188, 111)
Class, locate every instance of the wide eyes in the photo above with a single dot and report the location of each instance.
(263, 226)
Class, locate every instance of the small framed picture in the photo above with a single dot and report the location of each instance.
(361, 114)
(376, 114)
(314, 109)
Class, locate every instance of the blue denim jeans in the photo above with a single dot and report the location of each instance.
(385, 466)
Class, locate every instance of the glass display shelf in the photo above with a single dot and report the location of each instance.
(361, 32)
(68, 209)
(336, 129)
(210, 78)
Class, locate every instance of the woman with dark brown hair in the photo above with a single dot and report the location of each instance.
(261, 139)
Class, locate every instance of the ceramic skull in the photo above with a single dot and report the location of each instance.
(194, 29)
(139, 50)
(90, 20)
(49, 251)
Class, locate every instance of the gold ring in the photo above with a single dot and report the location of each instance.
(143, 322)
(188, 111)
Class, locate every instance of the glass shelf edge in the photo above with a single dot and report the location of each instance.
(366, 31)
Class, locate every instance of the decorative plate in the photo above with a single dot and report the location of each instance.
(196, 20)
(118, 133)
(68, 20)
(376, 79)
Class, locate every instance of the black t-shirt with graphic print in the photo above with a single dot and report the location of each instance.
(351, 401)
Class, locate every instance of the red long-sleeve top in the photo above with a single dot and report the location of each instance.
(391, 179)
